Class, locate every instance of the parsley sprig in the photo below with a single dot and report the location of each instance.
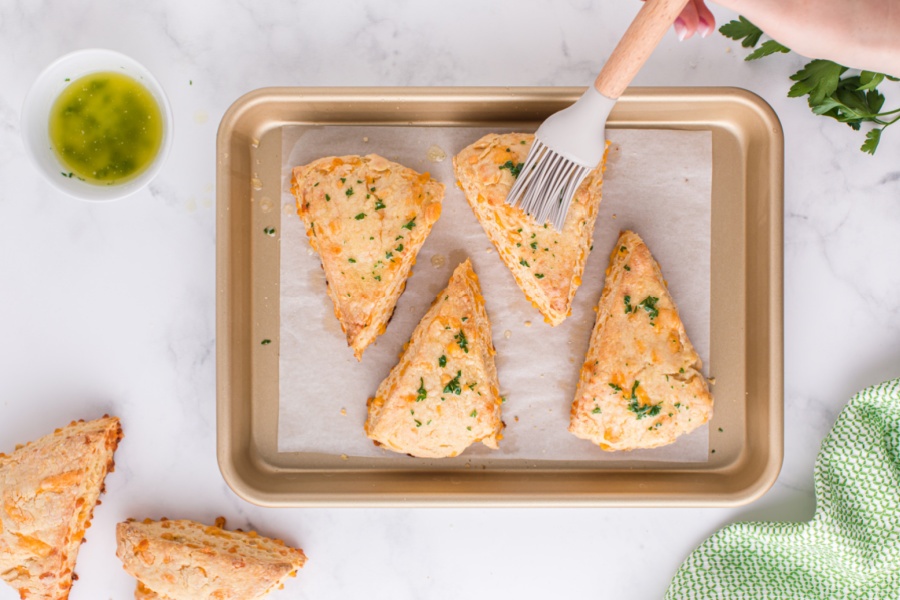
(851, 98)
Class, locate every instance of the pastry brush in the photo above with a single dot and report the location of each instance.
(571, 142)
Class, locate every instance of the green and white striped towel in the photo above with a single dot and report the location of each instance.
(851, 548)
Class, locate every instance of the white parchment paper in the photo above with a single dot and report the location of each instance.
(658, 183)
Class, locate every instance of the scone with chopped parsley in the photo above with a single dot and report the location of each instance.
(641, 383)
(443, 395)
(546, 263)
(367, 218)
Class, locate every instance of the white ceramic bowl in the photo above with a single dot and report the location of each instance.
(36, 120)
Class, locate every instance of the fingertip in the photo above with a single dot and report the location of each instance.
(680, 29)
(706, 21)
(688, 18)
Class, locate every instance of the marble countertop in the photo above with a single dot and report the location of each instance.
(111, 308)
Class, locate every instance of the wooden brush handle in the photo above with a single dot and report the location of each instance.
(635, 47)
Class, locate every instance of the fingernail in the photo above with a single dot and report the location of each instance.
(705, 28)
(680, 29)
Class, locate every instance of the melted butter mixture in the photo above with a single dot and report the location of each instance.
(106, 128)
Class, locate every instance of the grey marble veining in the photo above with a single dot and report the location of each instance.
(111, 308)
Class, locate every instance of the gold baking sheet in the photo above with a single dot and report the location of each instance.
(745, 299)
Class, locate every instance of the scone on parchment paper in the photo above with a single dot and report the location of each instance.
(546, 263)
(49, 489)
(443, 395)
(184, 560)
(641, 385)
(367, 218)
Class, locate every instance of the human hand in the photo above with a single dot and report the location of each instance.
(861, 34)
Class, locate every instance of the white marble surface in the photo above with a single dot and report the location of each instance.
(110, 308)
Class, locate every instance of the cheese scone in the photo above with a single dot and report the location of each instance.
(49, 489)
(546, 263)
(184, 560)
(641, 385)
(367, 218)
(443, 395)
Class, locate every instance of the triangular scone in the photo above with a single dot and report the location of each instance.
(443, 395)
(367, 217)
(641, 384)
(49, 489)
(546, 263)
(184, 560)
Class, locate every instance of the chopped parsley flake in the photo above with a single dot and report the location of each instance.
(327, 198)
(533, 245)
(378, 278)
(628, 307)
(442, 361)
(423, 393)
(596, 410)
(411, 224)
(360, 216)
(388, 254)
(269, 231)
(399, 248)
(649, 304)
(615, 387)
(343, 180)
(539, 275)
(418, 422)
(524, 263)
(473, 414)
(378, 204)
(266, 342)
(351, 260)
(642, 410)
(349, 192)
(453, 386)
(462, 341)
(627, 268)
(514, 169)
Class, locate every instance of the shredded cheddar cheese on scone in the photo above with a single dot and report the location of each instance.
(443, 395)
(641, 384)
(546, 263)
(367, 218)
